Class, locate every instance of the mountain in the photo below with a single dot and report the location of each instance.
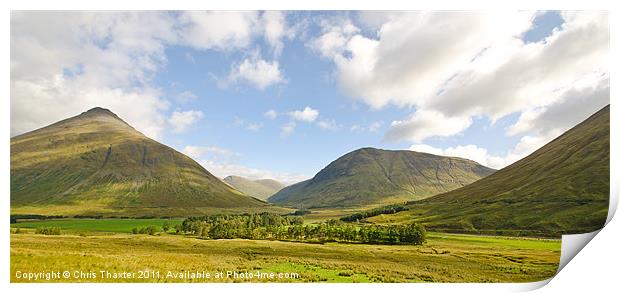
(563, 187)
(95, 163)
(370, 176)
(261, 189)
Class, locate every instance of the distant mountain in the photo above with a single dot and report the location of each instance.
(96, 163)
(370, 176)
(261, 189)
(562, 187)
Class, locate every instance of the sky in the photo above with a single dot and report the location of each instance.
(281, 94)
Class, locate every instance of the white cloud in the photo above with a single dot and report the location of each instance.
(472, 152)
(64, 63)
(357, 128)
(186, 97)
(256, 72)
(181, 120)
(288, 128)
(571, 108)
(523, 148)
(372, 127)
(271, 114)
(223, 169)
(222, 162)
(466, 64)
(328, 124)
(275, 29)
(197, 152)
(219, 30)
(333, 40)
(424, 124)
(306, 115)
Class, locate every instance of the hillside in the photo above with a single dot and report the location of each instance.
(261, 189)
(370, 176)
(562, 187)
(97, 164)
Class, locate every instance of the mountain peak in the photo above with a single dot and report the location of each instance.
(99, 111)
(370, 176)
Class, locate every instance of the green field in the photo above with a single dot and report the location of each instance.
(97, 225)
(444, 258)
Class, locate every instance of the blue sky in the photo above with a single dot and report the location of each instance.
(203, 84)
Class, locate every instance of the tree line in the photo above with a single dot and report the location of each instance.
(267, 226)
(391, 209)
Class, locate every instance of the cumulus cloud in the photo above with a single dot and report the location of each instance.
(459, 65)
(525, 146)
(275, 29)
(181, 120)
(63, 63)
(334, 38)
(571, 108)
(306, 115)
(220, 30)
(256, 72)
(426, 123)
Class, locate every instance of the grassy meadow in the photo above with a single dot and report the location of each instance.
(97, 225)
(109, 246)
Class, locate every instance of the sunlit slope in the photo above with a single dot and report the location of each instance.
(562, 187)
(261, 189)
(370, 176)
(97, 162)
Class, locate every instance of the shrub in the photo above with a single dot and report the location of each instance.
(151, 230)
(166, 226)
(48, 230)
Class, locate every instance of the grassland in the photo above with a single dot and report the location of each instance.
(96, 225)
(444, 258)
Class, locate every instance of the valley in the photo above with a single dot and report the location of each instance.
(444, 258)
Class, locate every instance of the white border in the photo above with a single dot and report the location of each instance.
(595, 266)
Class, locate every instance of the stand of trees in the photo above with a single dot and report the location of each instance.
(392, 209)
(277, 227)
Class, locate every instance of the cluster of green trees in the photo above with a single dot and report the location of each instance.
(342, 232)
(273, 226)
(47, 230)
(151, 230)
(248, 226)
(391, 209)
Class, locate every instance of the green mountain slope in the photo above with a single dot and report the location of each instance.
(261, 189)
(95, 163)
(562, 187)
(371, 176)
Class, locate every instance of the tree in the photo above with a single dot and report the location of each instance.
(166, 226)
